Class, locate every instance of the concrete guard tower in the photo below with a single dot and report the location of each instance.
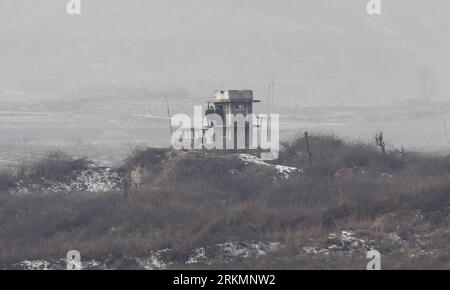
(228, 103)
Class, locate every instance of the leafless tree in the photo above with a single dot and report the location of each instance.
(380, 142)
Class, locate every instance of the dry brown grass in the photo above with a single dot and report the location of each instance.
(197, 206)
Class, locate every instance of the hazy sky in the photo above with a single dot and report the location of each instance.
(318, 51)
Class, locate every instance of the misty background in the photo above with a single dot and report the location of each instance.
(94, 84)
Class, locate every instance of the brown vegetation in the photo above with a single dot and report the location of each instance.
(197, 202)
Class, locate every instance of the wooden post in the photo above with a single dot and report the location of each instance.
(380, 142)
(402, 152)
(308, 149)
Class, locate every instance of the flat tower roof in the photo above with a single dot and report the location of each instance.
(233, 95)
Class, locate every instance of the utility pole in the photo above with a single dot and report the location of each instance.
(168, 114)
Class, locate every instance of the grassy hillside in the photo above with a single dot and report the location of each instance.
(399, 205)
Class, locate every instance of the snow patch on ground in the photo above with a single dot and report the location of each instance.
(347, 243)
(161, 259)
(60, 264)
(344, 242)
(233, 250)
(198, 256)
(395, 238)
(155, 261)
(283, 171)
(315, 251)
(90, 180)
(34, 265)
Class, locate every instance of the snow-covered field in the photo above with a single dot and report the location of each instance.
(161, 259)
(105, 129)
(90, 180)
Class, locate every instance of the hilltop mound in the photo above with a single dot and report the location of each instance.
(168, 169)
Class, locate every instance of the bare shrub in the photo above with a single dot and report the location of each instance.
(332, 153)
(54, 165)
